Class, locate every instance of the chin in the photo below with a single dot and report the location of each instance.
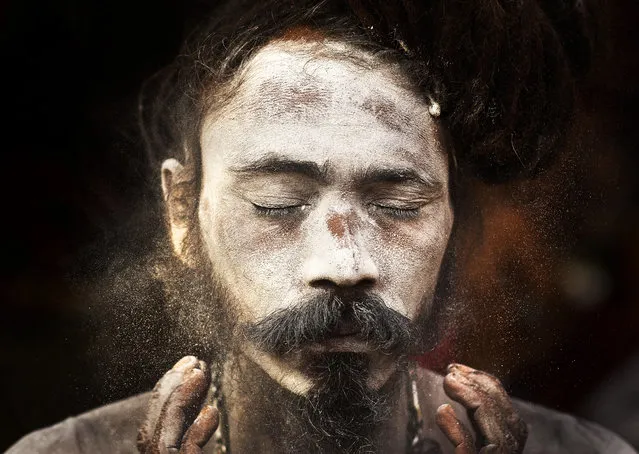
(333, 369)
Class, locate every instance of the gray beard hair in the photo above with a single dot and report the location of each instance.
(323, 421)
(202, 312)
(339, 413)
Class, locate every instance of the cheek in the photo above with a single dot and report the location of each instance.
(410, 256)
(257, 260)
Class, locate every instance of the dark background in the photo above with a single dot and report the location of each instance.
(554, 280)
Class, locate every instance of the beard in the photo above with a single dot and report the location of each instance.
(340, 412)
(203, 316)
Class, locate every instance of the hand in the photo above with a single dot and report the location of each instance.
(171, 425)
(499, 428)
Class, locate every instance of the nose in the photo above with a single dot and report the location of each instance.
(338, 257)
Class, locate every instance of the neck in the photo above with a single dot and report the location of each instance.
(262, 416)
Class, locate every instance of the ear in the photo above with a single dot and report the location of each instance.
(179, 200)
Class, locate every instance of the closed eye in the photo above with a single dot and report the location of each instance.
(396, 212)
(279, 210)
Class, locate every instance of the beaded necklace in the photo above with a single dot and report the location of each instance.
(415, 441)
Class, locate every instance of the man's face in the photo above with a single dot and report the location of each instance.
(323, 176)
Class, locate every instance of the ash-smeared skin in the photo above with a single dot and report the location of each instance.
(177, 419)
(272, 263)
(303, 106)
(171, 426)
(499, 428)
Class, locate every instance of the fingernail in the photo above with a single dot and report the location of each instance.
(466, 369)
(193, 373)
(202, 414)
(187, 360)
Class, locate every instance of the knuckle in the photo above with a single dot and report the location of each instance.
(492, 390)
(491, 380)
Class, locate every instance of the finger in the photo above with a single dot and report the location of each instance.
(489, 418)
(166, 385)
(491, 386)
(181, 408)
(454, 430)
(200, 431)
(486, 383)
(482, 410)
(159, 396)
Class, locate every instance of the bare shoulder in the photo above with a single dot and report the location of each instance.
(550, 431)
(108, 429)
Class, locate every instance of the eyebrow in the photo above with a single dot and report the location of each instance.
(374, 175)
(274, 164)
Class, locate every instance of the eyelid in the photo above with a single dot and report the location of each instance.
(275, 211)
(396, 212)
(398, 204)
(401, 208)
(408, 203)
(277, 205)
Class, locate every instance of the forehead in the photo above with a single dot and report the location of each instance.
(315, 95)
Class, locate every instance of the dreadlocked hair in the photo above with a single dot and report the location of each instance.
(502, 71)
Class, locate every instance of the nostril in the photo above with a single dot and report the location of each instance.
(325, 284)
(340, 268)
(366, 282)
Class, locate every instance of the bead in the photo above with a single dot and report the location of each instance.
(434, 109)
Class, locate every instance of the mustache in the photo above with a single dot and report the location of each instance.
(317, 319)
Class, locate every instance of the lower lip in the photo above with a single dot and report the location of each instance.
(350, 343)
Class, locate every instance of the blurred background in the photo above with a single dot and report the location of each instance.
(553, 278)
